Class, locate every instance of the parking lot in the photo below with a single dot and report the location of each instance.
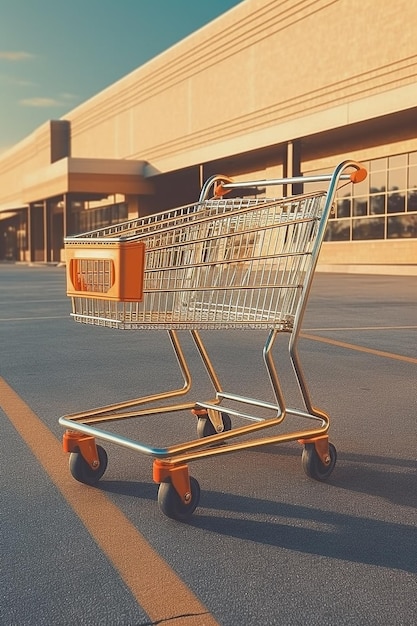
(267, 545)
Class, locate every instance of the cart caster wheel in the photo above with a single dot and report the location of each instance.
(83, 472)
(171, 504)
(313, 465)
(205, 428)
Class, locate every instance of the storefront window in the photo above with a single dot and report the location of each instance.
(412, 201)
(398, 161)
(368, 228)
(377, 204)
(384, 205)
(378, 165)
(361, 189)
(90, 219)
(397, 179)
(401, 226)
(396, 202)
(412, 177)
(343, 207)
(377, 181)
(338, 230)
(360, 206)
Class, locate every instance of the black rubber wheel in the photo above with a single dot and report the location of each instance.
(205, 428)
(171, 504)
(83, 472)
(313, 465)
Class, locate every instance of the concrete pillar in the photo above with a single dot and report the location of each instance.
(132, 206)
(293, 165)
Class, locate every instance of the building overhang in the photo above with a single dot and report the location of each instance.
(5, 215)
(86, 177)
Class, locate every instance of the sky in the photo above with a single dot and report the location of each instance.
(55, 54)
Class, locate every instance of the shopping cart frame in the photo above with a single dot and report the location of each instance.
(179, 493)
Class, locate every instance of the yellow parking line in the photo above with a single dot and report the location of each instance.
(33, 318)
(153, 583)
(359, 328)
(352, 346)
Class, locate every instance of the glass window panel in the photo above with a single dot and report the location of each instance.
(360, 206)
(412, 177)
(397, 179)
(368, 228)
(402, 226)
(377, 181)
(376, 165)
(343, 207)
(338, 230)
(396, 203)
(412, 201)
(412, 158)
(377, 204)
(400, 160)
(360, 189)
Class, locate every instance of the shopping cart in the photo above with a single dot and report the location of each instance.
(221, 263)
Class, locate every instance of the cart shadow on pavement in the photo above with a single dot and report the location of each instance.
(389, 478)
(298, 528)
(311, 531)
(131, 488)
(394, 486)
(393, 480)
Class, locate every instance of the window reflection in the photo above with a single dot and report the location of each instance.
(412, 177)
(338, 231)
(378, 164)
(401, 226)
(343, 207)
(397, 179)
(377, 182)
(384, 205)
(361, 189)
(396, 203)
(360, 206)
(412, 200)
(399, 160)
(98, 218)
(377, 204)
(368, 228)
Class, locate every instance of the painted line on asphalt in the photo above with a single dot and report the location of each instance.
(352, 346)
(32, 318)
(359, 328)
(154, 584)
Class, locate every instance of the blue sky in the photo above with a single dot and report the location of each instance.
(55, 54)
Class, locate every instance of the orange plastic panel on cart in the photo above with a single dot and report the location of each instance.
(110, 271)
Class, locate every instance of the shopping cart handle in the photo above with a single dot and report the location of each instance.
(223, 184)
(358, 175)
(220, 190)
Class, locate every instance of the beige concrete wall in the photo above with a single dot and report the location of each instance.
(31, 154)
(384, 252)
(263, 73)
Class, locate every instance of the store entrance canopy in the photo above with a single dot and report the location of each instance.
(99, 177)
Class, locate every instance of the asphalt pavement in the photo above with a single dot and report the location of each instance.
(267, 545)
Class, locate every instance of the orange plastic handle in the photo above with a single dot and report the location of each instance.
(359, 175)
(219, 190)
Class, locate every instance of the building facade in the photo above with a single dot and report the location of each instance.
(268, 89)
